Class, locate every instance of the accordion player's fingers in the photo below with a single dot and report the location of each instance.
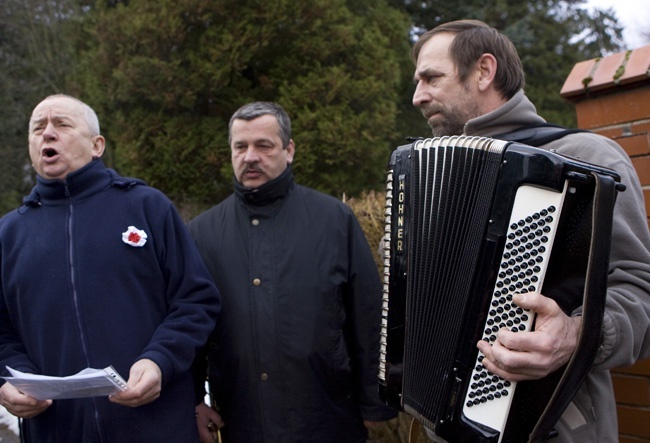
(518, 356)
(505, 363)
(556, 334)
(533, 301)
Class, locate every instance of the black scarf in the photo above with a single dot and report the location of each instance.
(269, 192)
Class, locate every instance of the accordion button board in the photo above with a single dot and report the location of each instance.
(531, 231)
(470, 222)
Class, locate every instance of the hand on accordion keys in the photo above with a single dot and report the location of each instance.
(518, 356)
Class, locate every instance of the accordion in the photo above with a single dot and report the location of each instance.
(470, 221)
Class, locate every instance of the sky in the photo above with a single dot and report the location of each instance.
(633, 15)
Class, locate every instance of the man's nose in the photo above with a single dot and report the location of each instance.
(420, 96)
(251, 155)
(49, 132)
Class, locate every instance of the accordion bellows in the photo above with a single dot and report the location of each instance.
(470, 221)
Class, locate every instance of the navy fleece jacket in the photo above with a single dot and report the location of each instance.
(75, 294)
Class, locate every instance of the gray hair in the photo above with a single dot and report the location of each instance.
(89, 115)
(254, 110)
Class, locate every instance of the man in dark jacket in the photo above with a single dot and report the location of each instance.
(98, 270)
(296, 352)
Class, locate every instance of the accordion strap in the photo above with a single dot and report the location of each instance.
(538, 134)
(593, 307)
(414, 430)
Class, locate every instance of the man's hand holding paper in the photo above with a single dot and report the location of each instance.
(87, 383)
(19, 404)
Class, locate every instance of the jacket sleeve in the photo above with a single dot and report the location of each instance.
(192, 297)
(625, 334)
(12, 350)
(365, 289)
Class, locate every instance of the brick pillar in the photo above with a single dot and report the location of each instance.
(612, 98)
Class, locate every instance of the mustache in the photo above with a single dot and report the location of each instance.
(428, 111)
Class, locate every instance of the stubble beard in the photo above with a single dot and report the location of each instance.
(446, 127)
(451, 120)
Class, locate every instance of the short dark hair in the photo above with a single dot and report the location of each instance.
(473, 39)
(253, 110)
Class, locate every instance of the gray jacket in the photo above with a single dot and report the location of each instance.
(625, 338)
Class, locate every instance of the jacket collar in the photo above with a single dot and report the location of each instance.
(269, 192)
(517, 112)
(83, 182)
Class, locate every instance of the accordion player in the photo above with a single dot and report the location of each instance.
(470, 221)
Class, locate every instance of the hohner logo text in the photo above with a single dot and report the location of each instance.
(399, 232)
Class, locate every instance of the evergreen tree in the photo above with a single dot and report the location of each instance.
(35, 54)
(165, 76)
(550, 36)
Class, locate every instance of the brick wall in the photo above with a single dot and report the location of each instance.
(612, 97)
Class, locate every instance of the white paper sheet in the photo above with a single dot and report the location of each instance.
(87, 383)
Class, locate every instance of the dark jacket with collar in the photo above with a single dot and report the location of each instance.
(295, 356)
(73, 295)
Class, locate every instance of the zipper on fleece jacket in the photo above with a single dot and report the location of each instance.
(75, 297)
(73, 282)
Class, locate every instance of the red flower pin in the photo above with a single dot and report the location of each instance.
(134, 237)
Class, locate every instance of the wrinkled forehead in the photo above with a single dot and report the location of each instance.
(59, 108)
(265, 126)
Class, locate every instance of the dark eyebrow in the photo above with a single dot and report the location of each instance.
(264, 141)
(257, 141)
(426, 74)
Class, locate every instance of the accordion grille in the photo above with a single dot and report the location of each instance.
(451, 191)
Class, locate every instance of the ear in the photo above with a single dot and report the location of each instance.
(487, 68)
(98, 146)
(291, 149)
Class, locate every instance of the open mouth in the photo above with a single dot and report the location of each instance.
(49, 152)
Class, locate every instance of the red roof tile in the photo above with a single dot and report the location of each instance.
(608, 72)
